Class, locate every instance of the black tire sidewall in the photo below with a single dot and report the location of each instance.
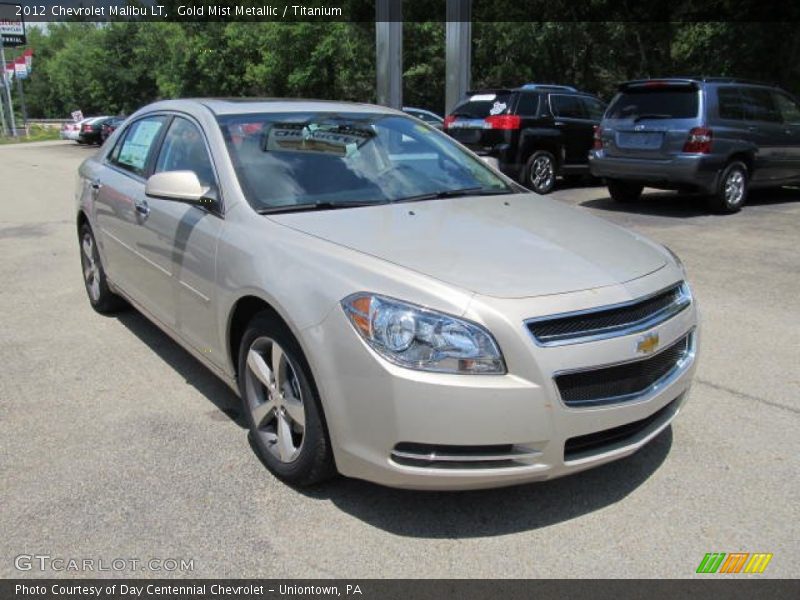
(624, 191)
(315, 462)
(527, 180)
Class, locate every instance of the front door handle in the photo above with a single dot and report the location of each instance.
(96, 185)
(142, 208)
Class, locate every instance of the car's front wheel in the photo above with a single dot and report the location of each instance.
(282, 405)
(102, 299)
(624, 191)
(540, 172)
(731, 192)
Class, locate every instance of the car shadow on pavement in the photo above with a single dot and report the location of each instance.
(474, 514)
(673, 204)
(194, 372)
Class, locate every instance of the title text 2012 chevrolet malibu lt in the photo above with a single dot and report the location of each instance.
(385, 304)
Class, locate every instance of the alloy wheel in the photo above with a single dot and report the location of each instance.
(275, 399)
(542, 173)
(734, 188)
(91, 267)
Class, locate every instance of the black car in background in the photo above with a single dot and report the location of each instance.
(532, 133)
(91, 130)
(110, 126)
(716, 136)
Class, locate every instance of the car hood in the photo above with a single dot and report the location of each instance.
(508, 246)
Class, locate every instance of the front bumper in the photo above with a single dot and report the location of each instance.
(379, 414)
(696, 171)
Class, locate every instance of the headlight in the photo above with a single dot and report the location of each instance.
(418, 338)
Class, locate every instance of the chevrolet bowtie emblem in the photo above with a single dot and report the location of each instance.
(647, 344)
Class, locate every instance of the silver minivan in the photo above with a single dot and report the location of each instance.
(716, 136)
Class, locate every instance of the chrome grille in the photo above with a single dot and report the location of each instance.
(623, 382)
(609, 321)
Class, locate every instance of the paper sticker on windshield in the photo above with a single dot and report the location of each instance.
(482, 97)
(497, 108)
(338, 140)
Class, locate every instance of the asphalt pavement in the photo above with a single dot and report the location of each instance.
(117, 444)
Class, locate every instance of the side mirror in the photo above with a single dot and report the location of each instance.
(181, 186)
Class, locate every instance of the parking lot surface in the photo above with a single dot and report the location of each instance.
(116, 443)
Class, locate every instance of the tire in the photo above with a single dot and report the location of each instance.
(732, 188)
(283, 411)
(624, 191)
(102, 299)
(540, 172)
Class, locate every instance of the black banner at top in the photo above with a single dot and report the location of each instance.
(412, 10)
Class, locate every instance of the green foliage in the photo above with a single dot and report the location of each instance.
(118, 67)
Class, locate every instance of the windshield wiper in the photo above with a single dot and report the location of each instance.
(309, 206)
(638, 118)
(473, 191)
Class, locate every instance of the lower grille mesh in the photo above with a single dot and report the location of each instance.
(595, 443)
(620, 382)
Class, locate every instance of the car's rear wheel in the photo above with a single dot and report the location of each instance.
(732, 189)
(282, 405)
(102, 299)
(624, 191)
(540, 172)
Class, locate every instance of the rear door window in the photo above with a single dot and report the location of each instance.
(731, 104)
(133, 150)
(789, 109)
(484, 104)
(569, 107)
(666, 103)
(759, 105)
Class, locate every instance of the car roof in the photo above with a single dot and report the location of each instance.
(530, 87)
(692, 80)
(238, 106)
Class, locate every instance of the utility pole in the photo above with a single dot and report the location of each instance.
(458, 51)
(3, 99)
(389, 52)
(22, 105)
(7, 87)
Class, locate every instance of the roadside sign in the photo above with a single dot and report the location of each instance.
(77, 115)
(20, 68)
(12, 26)
(10, 70)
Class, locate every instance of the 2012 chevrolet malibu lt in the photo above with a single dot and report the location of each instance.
(385, 304)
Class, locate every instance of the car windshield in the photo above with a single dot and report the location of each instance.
(655, 104)
(331, 160)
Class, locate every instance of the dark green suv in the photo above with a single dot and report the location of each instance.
(532, 133)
